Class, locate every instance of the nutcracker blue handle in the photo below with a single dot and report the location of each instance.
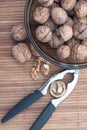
(23, 104)
(44, 117)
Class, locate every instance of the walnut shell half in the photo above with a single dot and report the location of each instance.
(57, 89)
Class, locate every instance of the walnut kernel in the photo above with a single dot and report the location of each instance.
(45, 68)
(57, 89)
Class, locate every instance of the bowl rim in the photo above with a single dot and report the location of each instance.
(45, 56)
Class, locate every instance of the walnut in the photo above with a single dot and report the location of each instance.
(72, 42)
(38, 64)
(59, 15)
(41, 14)
(34, 52)
(68, 4)
(57, 89)
(55, 41)
(84, 42)
(80, 30)
(51, 24)
(19, 32)
(66, 36)
(58, 1)
(79, 53)
(83, 20)
(34, 74)
(55, 4)
(81, 8)
(21, 52)
(69, 22)
(45, 68)
(43, 34)
(63, 52)
(46, 3)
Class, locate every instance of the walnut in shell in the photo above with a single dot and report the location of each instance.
(21, 52)
(68, 4)
(66, 32)
(55, 41)
(57, 1)
(84, 42)
(69, 22)
(59, 15)
(81, 8)
(72, 42)
(83, 20)
(55, 4)
(41, 14)
(51, 24)
(57, 89)
(43, 34)
(80, 30)
(63, 52)
(19, 32)
(79, 53)
(46, 3)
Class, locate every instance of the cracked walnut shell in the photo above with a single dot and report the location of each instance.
(57, 89)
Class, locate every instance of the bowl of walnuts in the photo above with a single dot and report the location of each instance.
(58, 30)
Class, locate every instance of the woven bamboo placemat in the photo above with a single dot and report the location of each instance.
(16, 82)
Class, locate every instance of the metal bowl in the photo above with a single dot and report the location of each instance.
(43, 49)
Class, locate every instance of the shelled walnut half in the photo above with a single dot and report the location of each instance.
(57, 89)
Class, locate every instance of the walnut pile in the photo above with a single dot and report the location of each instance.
(62, 24)
(23, 53)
